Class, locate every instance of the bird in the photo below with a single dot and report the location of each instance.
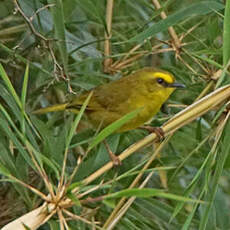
(146, 89)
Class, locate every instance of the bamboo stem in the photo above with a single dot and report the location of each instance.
(39, 216)
(176, 40)
(108, 34)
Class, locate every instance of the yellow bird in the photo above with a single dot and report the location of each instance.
(147, 88)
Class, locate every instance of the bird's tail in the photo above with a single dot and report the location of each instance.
(53, 108)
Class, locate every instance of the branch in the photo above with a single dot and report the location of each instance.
(29, 22)
(176, 40)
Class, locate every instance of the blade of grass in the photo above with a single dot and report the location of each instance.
(148, 192)
(71, 133)
(11, 135)
(206, 59)
(23, 96)
(15, 96)
(223, 152)
(188, 221)
(21, 136)
(77, 120)
(59, 26)
(10, 86)
(24, 86)
(226, 34)
(34, 154)
(112, 128)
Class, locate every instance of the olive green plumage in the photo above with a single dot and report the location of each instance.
(147, 89)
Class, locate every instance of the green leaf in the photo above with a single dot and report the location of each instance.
(73, 186)
(73, 197)
(59, 25)
(9, 86)
(223, 152)
(23, 96)
(226, 34)
(77, 120)
(25, 85)
(113, 127)
(147, 192)
(11, 135)
(4, 171)
(195, 9)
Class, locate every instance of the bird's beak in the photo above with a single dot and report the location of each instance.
(176, 85)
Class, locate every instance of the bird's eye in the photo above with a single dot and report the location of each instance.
(160, 80)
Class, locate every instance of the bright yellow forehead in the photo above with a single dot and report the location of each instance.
(166, 76)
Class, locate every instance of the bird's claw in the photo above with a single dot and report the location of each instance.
(157, 130)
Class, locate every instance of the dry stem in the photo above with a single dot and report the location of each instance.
(133, 184)
(123, 209)
(176, 40)
(57, 69)
(107, 46)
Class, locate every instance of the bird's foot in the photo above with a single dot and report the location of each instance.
(115, 159)
(157, 130)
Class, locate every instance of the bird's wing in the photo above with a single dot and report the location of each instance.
(78, 101)
(106, 98)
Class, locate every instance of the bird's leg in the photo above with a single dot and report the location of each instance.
(115, 159)
(157, 130)
(165, 109)
(160, 136)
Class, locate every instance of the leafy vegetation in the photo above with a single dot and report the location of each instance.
(53, 50)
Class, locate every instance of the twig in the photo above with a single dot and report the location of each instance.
(121, 64)
(125, 63)
(40, 169)
(73, 216)
(123, 210)
(107, 45)
(34, 190)
(190, 30)
(176, 40)
(61, 219)
(29, 22)
(92, 200)
(195, 59)
(56, 64)
(40, 9)
(58, 70)
(128, 54)
(187, 65)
